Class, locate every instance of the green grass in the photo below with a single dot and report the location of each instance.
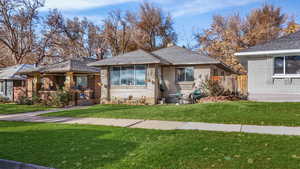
(14, 108)
(257, 113)
(95, 147)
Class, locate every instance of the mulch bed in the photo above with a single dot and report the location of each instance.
(210, 99)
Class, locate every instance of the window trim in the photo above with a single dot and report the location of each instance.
(184, 67)
(283, 75)
(134, 75)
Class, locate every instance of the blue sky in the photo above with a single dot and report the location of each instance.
(190, 16)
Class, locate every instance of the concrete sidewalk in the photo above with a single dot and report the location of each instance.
(152, 124)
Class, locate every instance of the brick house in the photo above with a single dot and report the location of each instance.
(72, 75)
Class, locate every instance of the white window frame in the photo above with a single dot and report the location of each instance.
(134, 78)
(283, 75)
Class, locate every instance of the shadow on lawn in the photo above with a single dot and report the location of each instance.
(16, 109)
(101, 109)
(64, 148)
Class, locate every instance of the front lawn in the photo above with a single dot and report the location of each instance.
(257, 113)
(94, 147)
(14, 108)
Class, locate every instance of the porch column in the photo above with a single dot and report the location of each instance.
(97, 88)
(152, 83)
(36, 84)
(105, 87)
(69, 83)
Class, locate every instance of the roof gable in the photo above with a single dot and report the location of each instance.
(135, 57)
(181, 56)
(11, 73)
(288, 42)
(72, 65)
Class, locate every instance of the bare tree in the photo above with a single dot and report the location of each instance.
(117, 32)
(5, 57)
(51, 28)
(70, 38)
(153, 29)
(17, 26)
(95, 43)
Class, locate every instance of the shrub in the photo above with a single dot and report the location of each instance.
(4, 99)
(61, 98)
(36, 99)
(212, 88)
(23, 100)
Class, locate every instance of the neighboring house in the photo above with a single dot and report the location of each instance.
(152, 76)
(73, 75)
(274, 69)
(12, 85)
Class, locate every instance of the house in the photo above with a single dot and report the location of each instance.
(12, 85)
(164, 73)
(73, 75)
(274, 69)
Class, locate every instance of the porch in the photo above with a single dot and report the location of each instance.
(84, 89)
(81, 82)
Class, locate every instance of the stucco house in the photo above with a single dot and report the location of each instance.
(152, 76)
(12, 85)
(274, 69)
(73, 75)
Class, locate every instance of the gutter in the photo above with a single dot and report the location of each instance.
(268, 52)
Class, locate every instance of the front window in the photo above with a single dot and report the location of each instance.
(128, 75)
(185, 74)
(287, 65)
(18, 83)
(81, 82)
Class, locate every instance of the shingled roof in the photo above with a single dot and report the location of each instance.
(288, 42)
(135, 57)
(11, 73)
(167, 56)
(72, 65)
(181, 56)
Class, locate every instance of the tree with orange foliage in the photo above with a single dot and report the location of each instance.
(228, 35)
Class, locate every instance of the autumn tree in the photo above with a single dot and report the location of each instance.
(148, 28)
(263, 24)
(18, 19)
(292, 26)
(153, 29)
(228, 35)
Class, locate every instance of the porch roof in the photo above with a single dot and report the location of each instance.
(135, 57)
(11, 73)
(72, 65)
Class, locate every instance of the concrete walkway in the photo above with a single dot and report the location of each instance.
(151, 124)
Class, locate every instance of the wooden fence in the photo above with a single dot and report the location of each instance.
(242, 81)
(234, 83)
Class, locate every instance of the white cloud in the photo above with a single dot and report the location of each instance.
(81, 4)
(175, 7)
(202, 6)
